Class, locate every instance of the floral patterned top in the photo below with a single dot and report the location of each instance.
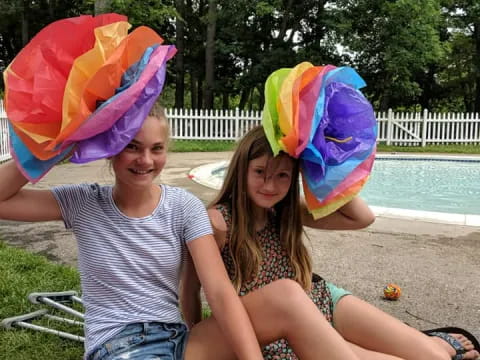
(275, 265)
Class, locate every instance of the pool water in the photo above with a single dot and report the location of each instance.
(439, 185)
(427, 185)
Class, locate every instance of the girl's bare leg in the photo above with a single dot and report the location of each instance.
(370, 328)
(279, 310)
(364, 354)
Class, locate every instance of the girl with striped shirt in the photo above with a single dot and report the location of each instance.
(133, 240)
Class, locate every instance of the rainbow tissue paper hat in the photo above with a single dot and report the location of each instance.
(318, 115)
(81, 89)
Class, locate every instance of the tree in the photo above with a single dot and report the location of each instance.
(179, 58)
(256, 38)
(210, 54)
(22, 19)
(156, 14)
(102, 6)
(390, 44)
(465, 23)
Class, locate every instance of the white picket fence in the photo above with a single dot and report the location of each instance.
(4, 146)
(190, 124)
(394, 128)
(426, 128)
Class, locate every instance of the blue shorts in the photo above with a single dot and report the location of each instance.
(150, 340)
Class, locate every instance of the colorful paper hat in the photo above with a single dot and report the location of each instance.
(82, 87)
(318, 115)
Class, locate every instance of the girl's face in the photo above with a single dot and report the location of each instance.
(144, 157)
(268, 180)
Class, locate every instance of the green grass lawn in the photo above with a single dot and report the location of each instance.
(210, 145)
(201, 145)
(21, 274)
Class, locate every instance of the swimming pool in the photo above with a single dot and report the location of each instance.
(443, 185)
(440, 184)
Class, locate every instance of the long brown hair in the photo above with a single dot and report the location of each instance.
(243, 244)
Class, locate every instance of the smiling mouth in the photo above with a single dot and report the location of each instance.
(140, 172)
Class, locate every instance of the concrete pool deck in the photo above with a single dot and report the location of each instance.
(437, 265)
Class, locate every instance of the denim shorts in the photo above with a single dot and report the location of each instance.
(150, 340)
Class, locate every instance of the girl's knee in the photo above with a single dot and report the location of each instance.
(285, 290)
(286, 294)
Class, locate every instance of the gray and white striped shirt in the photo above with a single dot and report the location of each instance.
(129, 267)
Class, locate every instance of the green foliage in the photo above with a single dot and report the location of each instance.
(265, 36)
(458, 78)
(23, 273)
(156, 14)
(167, 96)
(25, 18)
(411, 53)
(390, 44)
(263, 8)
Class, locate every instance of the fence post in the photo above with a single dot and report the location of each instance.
(237, 123)
(424, 127)
(389, 126)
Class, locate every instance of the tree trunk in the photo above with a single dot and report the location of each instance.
(210, 54)
(427, 85)
(179, 58)
(261, 93)
(476, 57)
(225, 101)
(25, 11)
(285, 21)
(244, 98)
(385, 96)
(47, 7)
(200, 92)
(193, 91)
(50, 10)
(384, 101)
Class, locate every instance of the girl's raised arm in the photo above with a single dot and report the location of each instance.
(352, 216)
(222, 298)
(21, 204)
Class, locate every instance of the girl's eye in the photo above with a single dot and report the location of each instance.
(258, 171)
(132, 147)
(284, 175)
(158, 148)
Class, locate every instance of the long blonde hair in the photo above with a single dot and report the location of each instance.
(244, 248)
(158, 111)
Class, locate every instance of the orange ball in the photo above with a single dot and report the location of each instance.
(392, 292)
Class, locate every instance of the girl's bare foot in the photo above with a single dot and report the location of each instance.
(454, 343)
